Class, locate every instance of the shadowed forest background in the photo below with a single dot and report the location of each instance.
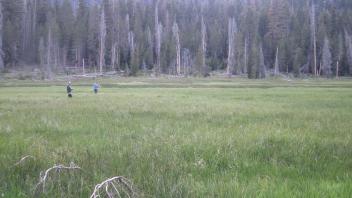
(179, 37)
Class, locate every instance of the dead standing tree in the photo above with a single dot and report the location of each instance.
(231, 46)
(48, 54)
(131, 47)
(149, 58)
(127, 43)
(339, 54)
(277, 66)
(102, 38)
(115, 37)
(41, 50)
(262, 67)
(28, 29)
(244, 70)
(326, 66)
(186, 61)
(158, 29)
(1, 33)
(204, 47)
(25, 26)
(176, 35)
(348, 43)
(313, 37)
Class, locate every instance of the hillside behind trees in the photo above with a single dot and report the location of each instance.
(179, 37)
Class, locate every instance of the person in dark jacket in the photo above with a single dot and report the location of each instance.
(69, 90)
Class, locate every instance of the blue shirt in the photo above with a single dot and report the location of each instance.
(95, 86)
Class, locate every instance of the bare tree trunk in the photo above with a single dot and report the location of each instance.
(292, 9)
(133, 54)
(175, 30)
(64, 56)
(348, 41)
(127, 23)
(115, 38)
(126, 44)
(29, 29)
(41, 52)
(245, 55)
(25, 23)
(102, 41)
(1, 33)
(150, 53)
(114, 55)
(34, 24)
(337, 69)
(204, 47)
(76, 57)
(83, 67)
(315, 55)
(48, 55)
(326, 60)
(158, 69)
(56, 56)
(231, 45)
(276, 66)
(131, 43)
(313, 33)
(186, 62)
(262, 68)
(158, 28)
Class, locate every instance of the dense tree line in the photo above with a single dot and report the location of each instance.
(179, 37)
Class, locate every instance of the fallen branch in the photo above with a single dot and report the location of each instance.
(58, 168)
(114, 187)
(23, 159)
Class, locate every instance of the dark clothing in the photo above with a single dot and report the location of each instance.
(69, 91)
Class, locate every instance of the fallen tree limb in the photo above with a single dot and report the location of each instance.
(57, 168)
(23, 159)
(114, 187)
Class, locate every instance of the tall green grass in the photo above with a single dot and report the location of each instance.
(205, 141)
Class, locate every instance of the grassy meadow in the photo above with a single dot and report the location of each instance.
(180, 138)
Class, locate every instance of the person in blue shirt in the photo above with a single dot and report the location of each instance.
(96, 87)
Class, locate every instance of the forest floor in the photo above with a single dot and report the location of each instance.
(179, 137)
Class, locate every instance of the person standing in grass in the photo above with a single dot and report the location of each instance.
(69, 90)
(96, 87)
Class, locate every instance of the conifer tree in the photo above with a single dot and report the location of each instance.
(1, 30)
(326, 58)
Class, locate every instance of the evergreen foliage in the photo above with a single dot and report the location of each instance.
(299, 30)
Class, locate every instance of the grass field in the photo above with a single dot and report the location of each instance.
(180, 138)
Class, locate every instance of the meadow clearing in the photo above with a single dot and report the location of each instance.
(180, 138)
